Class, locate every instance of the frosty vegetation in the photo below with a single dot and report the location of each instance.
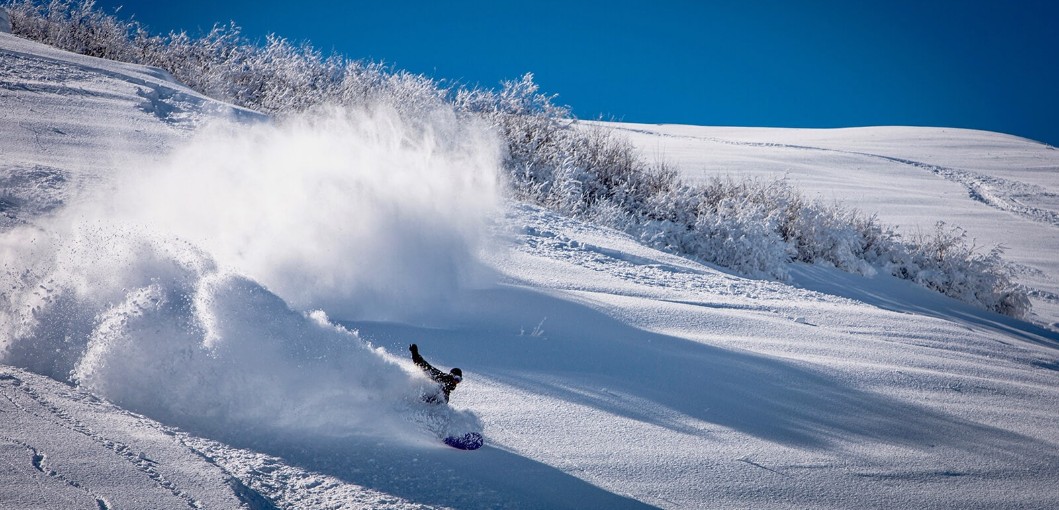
(754, 227)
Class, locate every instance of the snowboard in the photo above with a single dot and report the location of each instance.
(459, 429)
(468, 441)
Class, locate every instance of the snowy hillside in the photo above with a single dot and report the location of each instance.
(201, 307)
(1003, 190)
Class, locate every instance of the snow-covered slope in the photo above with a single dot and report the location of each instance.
(1003, 190)
(604, 374)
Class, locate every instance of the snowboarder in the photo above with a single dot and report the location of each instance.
(447, 382)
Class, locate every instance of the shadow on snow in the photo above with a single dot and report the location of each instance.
(589, 358)
(904, 296)
(661, 379)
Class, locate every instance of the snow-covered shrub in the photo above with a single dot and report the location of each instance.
(209, 64)
(585, 171)
(754, 227)
(946, 261)
(533, 127)
(276, 77)
(829, 235)
(72, 25)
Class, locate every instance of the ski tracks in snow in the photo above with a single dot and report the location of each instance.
(1024, 200)
(58, 450)
(59, 459)
(1006, 195)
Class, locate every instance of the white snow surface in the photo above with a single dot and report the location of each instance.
(1003, 190)
(204, 308)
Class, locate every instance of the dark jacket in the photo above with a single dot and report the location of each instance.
(447, 381)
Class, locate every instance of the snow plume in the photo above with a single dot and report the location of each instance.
(186, 292)
(362, 214)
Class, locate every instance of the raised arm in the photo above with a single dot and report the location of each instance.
(434, 373)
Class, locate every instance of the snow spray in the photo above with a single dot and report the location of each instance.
(359, 213)
(195, 290)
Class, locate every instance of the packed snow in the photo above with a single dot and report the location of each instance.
(204, 307)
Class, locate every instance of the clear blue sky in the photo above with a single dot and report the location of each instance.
(977, 64)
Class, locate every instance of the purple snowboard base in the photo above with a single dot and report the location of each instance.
(468, 441)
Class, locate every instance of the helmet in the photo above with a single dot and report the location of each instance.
(458, 373)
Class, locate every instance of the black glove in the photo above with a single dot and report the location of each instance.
(414, 348)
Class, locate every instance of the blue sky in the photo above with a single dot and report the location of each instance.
(828, 63)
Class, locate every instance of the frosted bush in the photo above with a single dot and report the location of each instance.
(71, 25)
(946, 261)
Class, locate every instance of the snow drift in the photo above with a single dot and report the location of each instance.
(184, 293)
